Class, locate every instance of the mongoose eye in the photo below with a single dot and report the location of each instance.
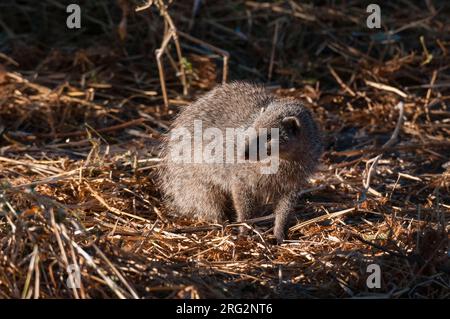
(291, 125)
(257, 142)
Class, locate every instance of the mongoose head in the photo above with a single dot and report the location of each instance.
(299, 137)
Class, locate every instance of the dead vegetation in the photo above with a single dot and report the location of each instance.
(81, 115)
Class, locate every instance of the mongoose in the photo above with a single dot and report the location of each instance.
(206, 190)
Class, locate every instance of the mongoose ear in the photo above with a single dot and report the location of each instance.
(291, 124)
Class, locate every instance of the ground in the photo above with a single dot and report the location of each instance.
(82, 114)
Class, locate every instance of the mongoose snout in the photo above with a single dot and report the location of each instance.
(286, 137)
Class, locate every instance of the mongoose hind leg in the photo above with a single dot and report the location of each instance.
(209, 204)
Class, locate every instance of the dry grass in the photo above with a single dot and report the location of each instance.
(81, 119)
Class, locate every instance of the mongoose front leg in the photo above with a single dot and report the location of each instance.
(282, 211)
(244, 203)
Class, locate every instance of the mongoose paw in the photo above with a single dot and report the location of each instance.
(243, 231)
(279, 236)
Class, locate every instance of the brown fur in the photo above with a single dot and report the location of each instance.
(204, 190)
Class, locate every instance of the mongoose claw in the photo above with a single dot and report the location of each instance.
(243, 231)
(279, 235)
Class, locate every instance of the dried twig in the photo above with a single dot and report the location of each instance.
(390, 142)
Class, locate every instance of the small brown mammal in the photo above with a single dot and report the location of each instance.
(205, 190)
